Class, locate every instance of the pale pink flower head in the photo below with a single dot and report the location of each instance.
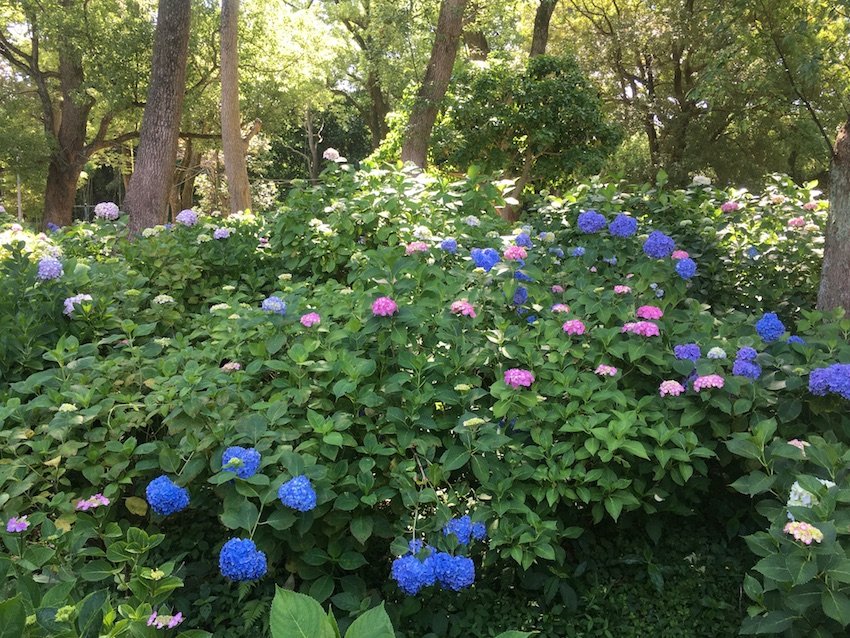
(605, 370)
(642, 328)
(708, 381)
(17, 524)
(797, 222)
(98, 500)
(574, 327)
(593, 269)
(518, 378)
(311, 319)
(231, 366)
(560, 307)
(803, 532)
(730, 206)
(515, 253)
(176, 619)
(16, 228)
(556, 289)
(416, 247)
(384, 307)
(463, 307)
(670, 388)
(649, 312)
(151, 619)
(620, 289)
(680, 254)
(800, 445)
(810, 206)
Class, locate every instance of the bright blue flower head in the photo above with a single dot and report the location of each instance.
(453, 572)
(749, 369)
(747, 354)
(521, 276)
(796, 339)
(658, 245)
(686, 268)
(412, 574)
(479, 531)
(578, 251)
(557, 251)
(520, 296)
(769, 327)
(165, 497)
(752, 252)
(464, 529)
(243, 461)
(298, 493)
(832, 379)
(623, 226)
(449, 245)
(241, 561)
(485, 258)
(523, 240)
(590, 222)
(689, 351)
(275, 305)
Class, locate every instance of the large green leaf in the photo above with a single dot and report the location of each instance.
(837, 606)
(373, 624)
(295, 615)
(13, 618)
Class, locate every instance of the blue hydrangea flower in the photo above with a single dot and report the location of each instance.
(453, 572)
(769, 327)
(275, 305)
(747, 354)
(241, 561)
(485, 258)
(243, 461)
(520, 296)
(832, 379)
(479, 531)
(623, 226)
(412, 574)
(590, 222)
(523, 240)
(752, 252)
(686, 268)
(521, 276)
(298, 493)
(531, 318)
(557, 251)
(52, 227)
(688, 351)
(461, 528)
(165, 497)
(50, 268)
(744, 368)
(610, 260)
(796, 339)
(578, 251)
(449, 244)
(658, 245)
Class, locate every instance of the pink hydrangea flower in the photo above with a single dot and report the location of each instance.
(17, 524)
(622, 290)
(680, 254)
(593, 269)
(518, 378)
(649, 312)
(556, 289)
(671, 388)
(84, 505)
(16, 228)
(605, 370)
(463, 307)
(384, 307)
(574, 327)
(729, 207)
(560, 307)
(312, 319)
(708, 381)
(515, 253)
(642, 328)
(231, 366)
(810, 206)
(416, 247)
(803, 532)
(797, 222)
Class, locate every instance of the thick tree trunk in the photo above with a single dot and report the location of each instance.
(436, 81)
(232, 144)
(835, 277)
(61, 191)
(147, 194)
(542, 18)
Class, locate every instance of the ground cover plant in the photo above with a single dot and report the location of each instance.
(383, 393)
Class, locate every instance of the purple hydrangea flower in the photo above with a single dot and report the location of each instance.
(769, 327)
(590, 222)
(187, 217)
(686, 268)
(688, 351)
(623, 226)
(49, 268)
(658, 245)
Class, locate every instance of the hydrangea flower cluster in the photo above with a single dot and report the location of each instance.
(679, 254)
(590, 222)
(708, 381)
(50, 268)
(70, 302)
(520, 295)
(485, 258)
(416, 247)
(464, 308)
(244, 462)
(798, 497)
(275, 305)
(716, 353)
(465, 530)
(165, 621)
(745, 364)
(515, 253)
(729, 207)
(604, 370)
(413, 573)
(518, 378)
(658, 245)
(686, 268)
(671, 388)
(187, 217)
(222, 233)
(165, 497)
(834, 379)
(298, 493)
(231, 366)
(800, 445)
(310, 319)
(449, 245)
(241, 561)
(107, 210)
(524, 240)
(687, 351)
(384, 307)
(803, 532)
(769, 327)
(623, 226)
(91, 503)
(560, 307)
(17, 524)
(578, 251)
(642, 328)
(649, 312)
(574, 327)
(557, 289)
(797, 222)
(161, 300)
(620, 289)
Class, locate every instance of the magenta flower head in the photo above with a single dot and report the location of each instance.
(642, 328)
(708, 381)
(86, 504)
(649, 312)
(17, 524)
(680, 254)
(518, 378)
(463, 307)
(671, 388)
(574, 327)
(384, 307)
(606, 370)
(310, 319)
(729, 207)
(416, 247)
(515, 253)
(796, 222)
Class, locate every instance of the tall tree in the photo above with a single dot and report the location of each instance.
(437, 75)
(232, 142)
(542, 18)
(835, 277)
(147, 194)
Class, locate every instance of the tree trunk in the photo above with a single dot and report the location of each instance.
(835, 277)
(434, 85)
(232, 144)
(192, 167)
(542, 17)
(378, 110)
(314, 138)
(477, 44)
(147, 194)
(61, 191)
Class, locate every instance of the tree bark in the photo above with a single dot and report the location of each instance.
(378, 109)
(542, 18)
(436, 82)
(233, 145)
(476, 43)
(835, 277)
(147, 194)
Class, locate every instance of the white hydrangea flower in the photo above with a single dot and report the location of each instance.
(163, 299)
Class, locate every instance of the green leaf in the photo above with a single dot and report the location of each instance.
(802, 570)
(841, 572)
(295, 615)
(97, 570)
(756, 482)
(361, 528)
(375, 623)
(773, 622)
(634, 447)
(322, 588)
(90, 619)
(13, 618)
(836, 605)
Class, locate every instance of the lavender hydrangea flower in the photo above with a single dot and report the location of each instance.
(834, 379)
(187, 217)
(71, 302)
(275, 305)
(687, 351)
(50, 268)
(107, 210)
(449, 244)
